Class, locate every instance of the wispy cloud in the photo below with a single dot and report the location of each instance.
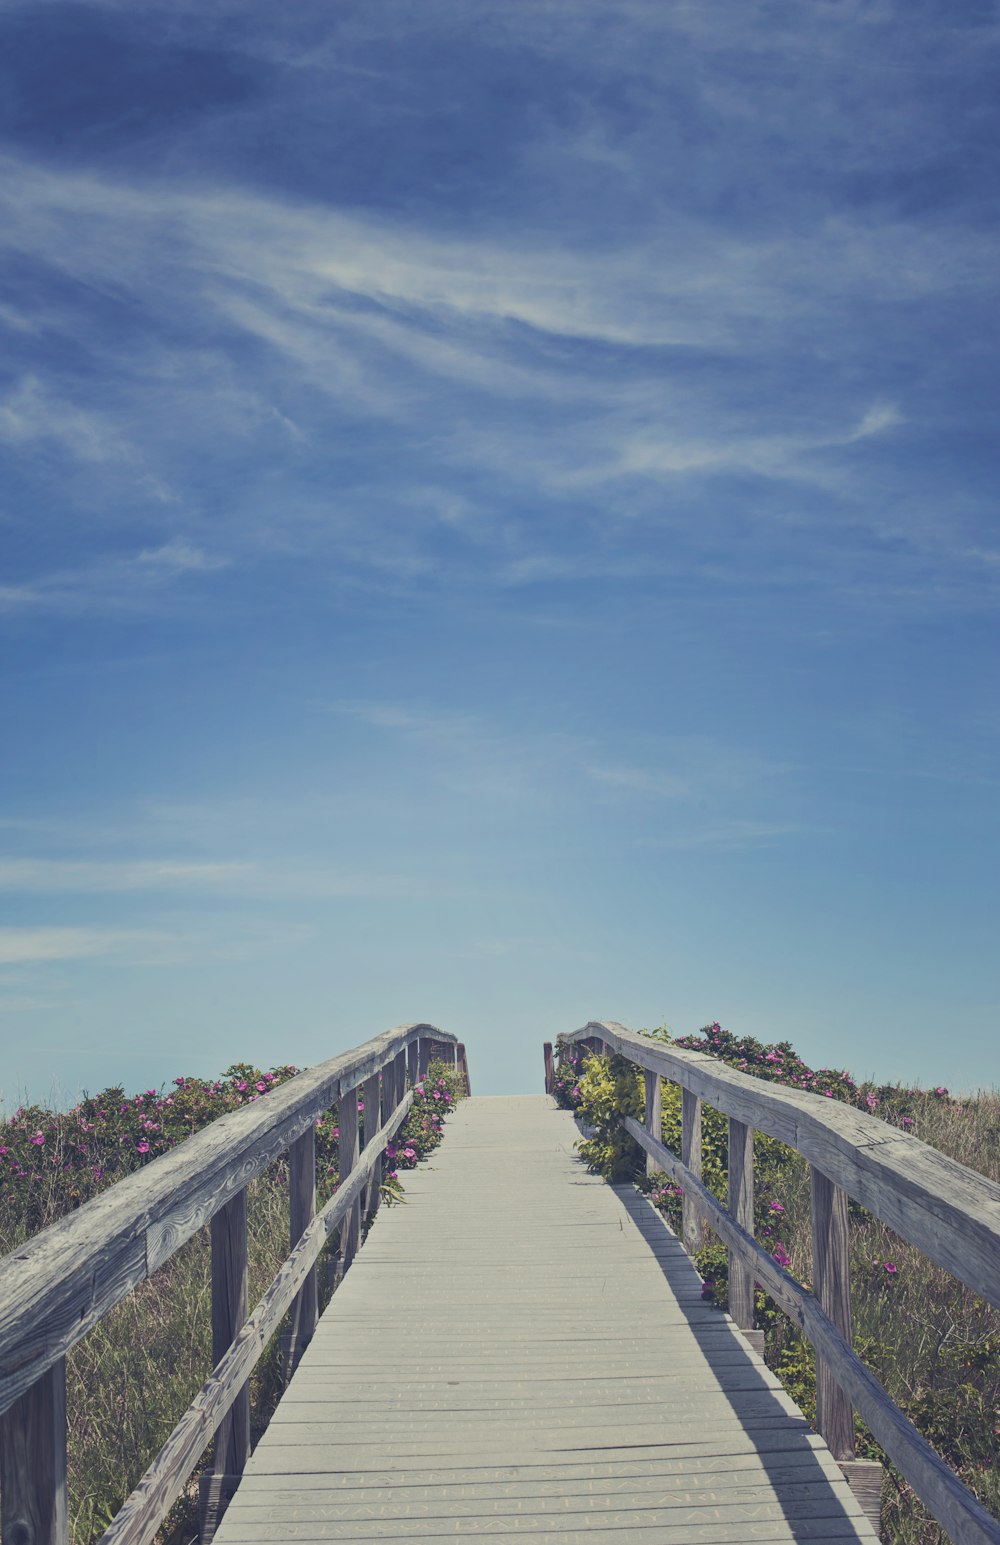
(20, 946)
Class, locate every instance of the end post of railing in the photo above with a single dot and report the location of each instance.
(33, 1463)
(550, 1071)
(412, 1063)
(463, 1065)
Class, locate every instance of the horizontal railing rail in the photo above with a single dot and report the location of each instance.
(57, 1286)
(947, 1211)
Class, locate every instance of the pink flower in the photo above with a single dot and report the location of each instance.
(242, 1085)
(260, 1086)
(891, 1268)
(777, 1207)
(142, 1147)
(38, 1139)
(781, 1255)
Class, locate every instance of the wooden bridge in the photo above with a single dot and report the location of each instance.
(520, 1350)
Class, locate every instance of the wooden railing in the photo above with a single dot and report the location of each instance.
(949, 1212)
(56, 1288)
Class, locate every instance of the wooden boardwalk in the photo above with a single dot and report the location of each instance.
(522, 1350)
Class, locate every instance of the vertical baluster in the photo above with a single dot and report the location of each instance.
(229, 1311)
(399, 1066)
(372, 1123)
(347, 1151)
(33, 1463)
(832, 1286)
(741, 1207)
(301, 1211)
(412, 1056)
(692, 1227)
(424, 1049)
(654, 1116)
(550, 1072)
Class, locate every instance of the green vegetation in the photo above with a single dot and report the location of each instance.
(932, 1344)
(134, 1375)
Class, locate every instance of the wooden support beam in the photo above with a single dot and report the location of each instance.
(229, 1311)
(654, 1116)
(347, 1152)
(301, 1211)
(371, 1099)
(550, 1071)
(33, 1463)
(463, 1064)
(692, 1225)
(741, 1207)
(412, 1063)
(423, 1056)
(832, 1286)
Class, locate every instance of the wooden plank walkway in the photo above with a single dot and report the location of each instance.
(521, 1350)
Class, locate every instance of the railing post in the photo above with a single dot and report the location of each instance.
(347, 1158)
(832, 1286)
(372, 1123)
(692, 1226)
(423, 1056)
(399, 1077)
(654, 1115)
(412, 1062)
(33, 1463)
(229, 1311)
(741, 1207)
(301, 1211)
(463, 1065)
(550, 1072)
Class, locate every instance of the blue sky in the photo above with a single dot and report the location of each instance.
(498, 526)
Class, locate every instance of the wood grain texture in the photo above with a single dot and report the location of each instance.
(347, 1158)
(148, 1505)
(741, 1207)
(55, 1288)
(301, 1211)
(559, 1376)
(832, 1286)
(951, 1213)
(229, 1312)
(654, 1113)
(372, 1122)
(692, 1225)
(963, 1519)
(33, 1463)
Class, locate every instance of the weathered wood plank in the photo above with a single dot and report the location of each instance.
(741, 1207)
(57, 1286)
(832, 1286)
(654, 1113)
(301, 1211)
(692, 1225)
(347, 1157)
(229, 1312)
(33, 1463)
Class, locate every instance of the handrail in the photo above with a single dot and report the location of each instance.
(57, 1286)
(949, 1212)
